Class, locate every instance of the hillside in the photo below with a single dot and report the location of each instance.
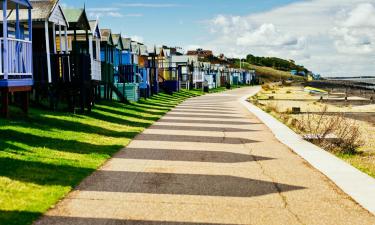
(268, 74)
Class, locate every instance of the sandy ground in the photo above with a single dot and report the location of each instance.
(208, 161)
(363, 115)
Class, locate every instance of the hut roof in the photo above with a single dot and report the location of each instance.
(94, 27)
(107, 36)
(42, 11)
(77, 18)
(117, 40)
(127, 43)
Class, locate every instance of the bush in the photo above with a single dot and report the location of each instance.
(322, 125)
(272, 107)
(266, 87)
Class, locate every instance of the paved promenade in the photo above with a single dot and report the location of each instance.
(209, 161)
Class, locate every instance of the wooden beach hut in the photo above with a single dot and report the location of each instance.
(16, 74)
(184, 65)
(73, 70)
(119, 72)
(94, 50)
(107, 49)
(144, 71)
(168, 75)
(153, 69)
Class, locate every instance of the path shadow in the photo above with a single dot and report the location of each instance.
(207, 108)
(199, 128)
(219, 122)
(202, 116)
(181, 184)
(189, 138)
(211, 111)
(188, 155)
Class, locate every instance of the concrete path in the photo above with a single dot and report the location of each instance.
(209, 161)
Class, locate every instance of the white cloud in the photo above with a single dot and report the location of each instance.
(355, 31)
(104, 12)
(109, 12)
(335, 37)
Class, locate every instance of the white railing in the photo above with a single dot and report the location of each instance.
(96, 70)
(19, 54)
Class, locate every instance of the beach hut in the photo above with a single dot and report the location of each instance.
(209, 78)
(16, 74)
(48, 22)
(168, 75)
(198, 74)
(120, 70)
(153, 70)
(94, 50)
(144, 72)
(117, 55)
(72, 71)
(184, 65)
(107, 49)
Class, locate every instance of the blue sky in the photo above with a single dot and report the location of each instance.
(178, 22)
(331, 37)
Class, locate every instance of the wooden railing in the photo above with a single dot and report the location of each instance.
(19, 54)
(70, 68)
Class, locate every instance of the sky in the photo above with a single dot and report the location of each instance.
(329, 37)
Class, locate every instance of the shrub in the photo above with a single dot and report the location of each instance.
(322, 125)
(272, 107)
(266, 87)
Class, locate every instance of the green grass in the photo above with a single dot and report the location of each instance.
(44, 156)
(268, 74)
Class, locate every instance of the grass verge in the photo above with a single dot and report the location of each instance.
(44, 156)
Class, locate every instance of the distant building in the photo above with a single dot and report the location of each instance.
(201, 53)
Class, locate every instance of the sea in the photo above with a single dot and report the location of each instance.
(368, 82)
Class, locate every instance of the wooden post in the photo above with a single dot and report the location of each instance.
(60, 37)
(5, 39)
(74, 47)
(25, 102)
(46, 33)
(5, 102)
(66, 39)
(54, 37)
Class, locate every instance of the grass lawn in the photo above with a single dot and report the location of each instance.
(44, 156)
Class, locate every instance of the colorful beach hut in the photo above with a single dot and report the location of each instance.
(74, 69)
(107, 49)
(94, 50)
(16, 74)
(49, 27)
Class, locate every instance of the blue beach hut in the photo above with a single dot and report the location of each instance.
(16, 70)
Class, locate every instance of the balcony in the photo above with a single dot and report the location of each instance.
(16, 63)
